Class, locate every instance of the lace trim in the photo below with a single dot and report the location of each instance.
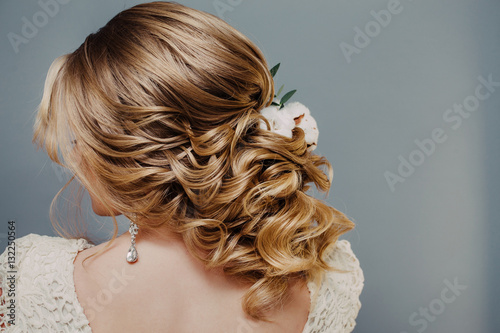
(335, 300)
(45, 296)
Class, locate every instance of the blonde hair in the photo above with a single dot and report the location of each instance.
(164, 104)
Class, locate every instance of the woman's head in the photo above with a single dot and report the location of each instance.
(163, 103)
(134, 93)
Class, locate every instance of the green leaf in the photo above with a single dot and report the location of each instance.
(280, 90)
(287, 96)
(274, 70)
(274, 104)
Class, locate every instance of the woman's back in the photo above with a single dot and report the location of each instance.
(181, 297)
(167, 290)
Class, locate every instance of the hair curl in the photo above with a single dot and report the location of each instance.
(164, 103)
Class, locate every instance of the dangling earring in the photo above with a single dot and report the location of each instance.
(132, 252)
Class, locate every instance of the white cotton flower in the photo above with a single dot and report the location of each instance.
(279, 121)
(290, 116)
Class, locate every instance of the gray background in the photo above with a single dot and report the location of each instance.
(439, 225)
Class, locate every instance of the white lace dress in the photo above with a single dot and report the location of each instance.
(45, 298)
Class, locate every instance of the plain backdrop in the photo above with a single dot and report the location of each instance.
(415, 152)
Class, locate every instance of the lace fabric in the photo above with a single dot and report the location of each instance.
(45, 295)
(46, 301)
(335, 301)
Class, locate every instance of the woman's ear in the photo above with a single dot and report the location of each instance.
(99, 208)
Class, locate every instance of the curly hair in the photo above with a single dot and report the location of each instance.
(164, 103)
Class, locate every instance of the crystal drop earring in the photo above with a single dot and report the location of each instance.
(132, 252)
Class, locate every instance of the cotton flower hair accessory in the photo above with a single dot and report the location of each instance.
(284, 118)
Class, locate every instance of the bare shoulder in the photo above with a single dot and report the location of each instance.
(171, 292)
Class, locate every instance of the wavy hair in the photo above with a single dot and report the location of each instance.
(164, 102)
